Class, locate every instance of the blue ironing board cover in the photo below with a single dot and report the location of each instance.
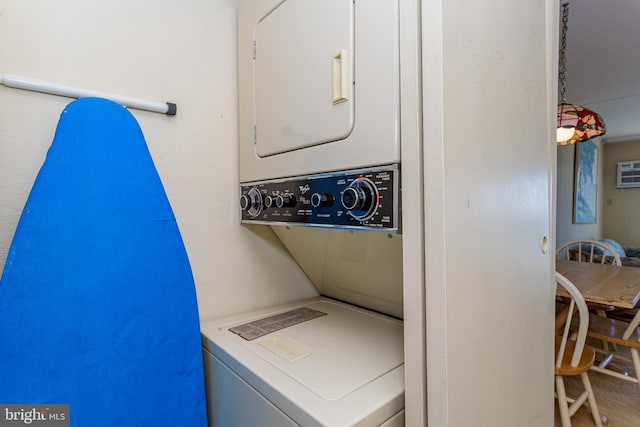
(97, 300)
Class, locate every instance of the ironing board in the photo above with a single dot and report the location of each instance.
(97, 300)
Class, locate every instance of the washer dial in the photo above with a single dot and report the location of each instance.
(360, 199)
(252, 202)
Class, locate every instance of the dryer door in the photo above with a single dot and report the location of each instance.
(304, 94)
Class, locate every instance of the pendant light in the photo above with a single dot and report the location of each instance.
(575, 122)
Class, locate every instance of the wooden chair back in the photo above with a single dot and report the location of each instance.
(587, 250)
(578, 358)
(578, 306)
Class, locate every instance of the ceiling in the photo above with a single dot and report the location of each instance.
(603, 63)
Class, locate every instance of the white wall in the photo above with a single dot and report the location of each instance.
(182, 52)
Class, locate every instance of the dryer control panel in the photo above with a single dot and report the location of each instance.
(364, 199)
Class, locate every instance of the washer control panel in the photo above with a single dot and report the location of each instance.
(354, 199)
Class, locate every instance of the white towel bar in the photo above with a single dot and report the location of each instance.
(25, 83)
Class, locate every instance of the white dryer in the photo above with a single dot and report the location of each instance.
(319, 86)
(318, 362)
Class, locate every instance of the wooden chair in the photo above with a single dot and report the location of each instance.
(573, 357)
(618, 333)
(588, 251)
(591, 251)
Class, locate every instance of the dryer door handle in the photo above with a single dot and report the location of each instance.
(340, 84)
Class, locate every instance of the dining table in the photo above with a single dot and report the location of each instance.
(606, 284)
(609, 285)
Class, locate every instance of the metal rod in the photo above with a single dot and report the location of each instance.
(26, 83)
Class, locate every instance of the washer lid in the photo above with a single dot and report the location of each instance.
(334, 354)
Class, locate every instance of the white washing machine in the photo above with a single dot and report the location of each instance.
(317, 362)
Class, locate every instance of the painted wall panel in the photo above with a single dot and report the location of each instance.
(487, 152)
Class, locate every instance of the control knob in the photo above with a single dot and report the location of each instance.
(321, 200)
(269, 201)
(285, 200)
(245, 202)
(252, 202)
(360, 199)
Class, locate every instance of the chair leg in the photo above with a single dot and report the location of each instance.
(592, 399)
(563, 404)
(636, 363)
(605, 344)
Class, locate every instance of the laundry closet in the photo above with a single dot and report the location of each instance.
(319, 146)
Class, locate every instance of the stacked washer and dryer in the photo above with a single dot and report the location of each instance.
(319, 135)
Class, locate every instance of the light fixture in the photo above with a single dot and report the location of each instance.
(575, 122)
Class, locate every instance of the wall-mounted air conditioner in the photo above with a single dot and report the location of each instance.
(628, 174)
